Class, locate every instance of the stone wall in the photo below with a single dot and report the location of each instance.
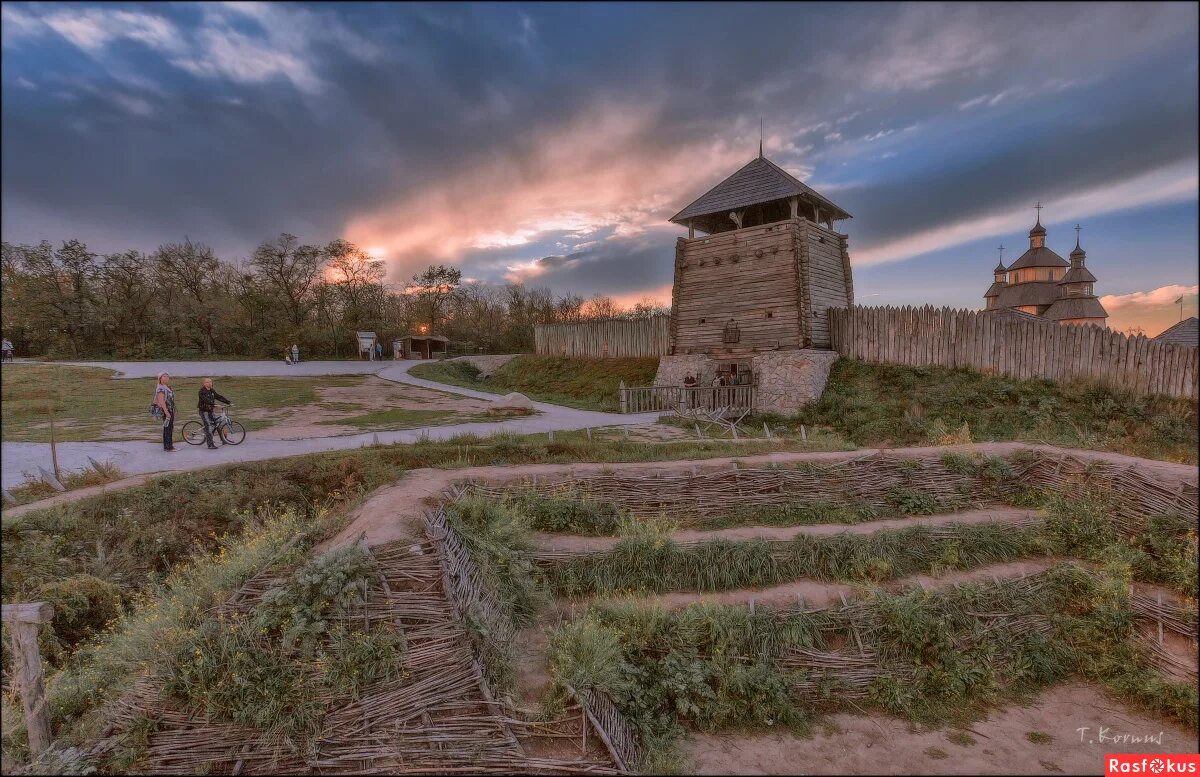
(786, 380)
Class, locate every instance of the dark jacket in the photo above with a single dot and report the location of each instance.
(206, 399)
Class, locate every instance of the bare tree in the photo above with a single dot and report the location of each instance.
(433, 289)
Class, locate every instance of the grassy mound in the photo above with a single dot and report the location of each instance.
(588, 384)
(875, 404)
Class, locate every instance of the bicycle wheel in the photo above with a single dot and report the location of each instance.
(193, 433)
(233, 433)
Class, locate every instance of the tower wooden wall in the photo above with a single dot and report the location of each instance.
(776, 281)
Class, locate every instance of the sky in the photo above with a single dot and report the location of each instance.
(550, 143)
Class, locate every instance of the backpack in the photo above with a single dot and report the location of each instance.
(155, 410)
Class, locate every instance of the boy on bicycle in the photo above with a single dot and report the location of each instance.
(207, 399)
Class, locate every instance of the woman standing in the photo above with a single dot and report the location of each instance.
(164, 397)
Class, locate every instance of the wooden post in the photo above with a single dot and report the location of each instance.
(23, 620)
(766, 430)
(803, 434)
(624, 399)
(53, 444)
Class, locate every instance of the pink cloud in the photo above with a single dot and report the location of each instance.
(1150, 311)
(597, 171)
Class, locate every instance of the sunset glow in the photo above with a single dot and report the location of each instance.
(549, 144)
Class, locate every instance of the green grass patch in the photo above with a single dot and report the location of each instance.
(151, 633)
(656, 564)
(946, 657)
(90, 405)
(874, 404)
(588, 384)
(96, 474)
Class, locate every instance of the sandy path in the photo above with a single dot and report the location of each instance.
(878, 744)
(583, 544)
(76, 494)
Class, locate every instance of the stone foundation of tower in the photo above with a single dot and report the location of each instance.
(786, 380)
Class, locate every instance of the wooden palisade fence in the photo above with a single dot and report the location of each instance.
(1013, 346)
(649, 336)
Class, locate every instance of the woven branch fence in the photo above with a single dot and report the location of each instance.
(1132, 493)
(870, 479)
(470, 594)
(436, 715)
(649, 336)
(1012, 346)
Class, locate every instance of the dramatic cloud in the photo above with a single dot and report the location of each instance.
(549, 143)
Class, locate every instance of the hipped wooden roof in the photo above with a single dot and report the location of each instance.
(1032, 293)
(1076, 307)
(759, 181)
(1186, 332)
(1039, 257)
(1078, 275)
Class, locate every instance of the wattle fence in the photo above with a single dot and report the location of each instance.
(1008, 345)
(650, 336)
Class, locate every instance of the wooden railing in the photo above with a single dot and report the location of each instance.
(681, 399)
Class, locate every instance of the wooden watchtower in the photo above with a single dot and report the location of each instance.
(766, 267)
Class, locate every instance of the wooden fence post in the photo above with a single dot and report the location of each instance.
(624, 399)
(23, 620)
(53, 442)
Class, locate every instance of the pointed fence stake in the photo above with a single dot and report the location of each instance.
(803, 434)
(766, 430)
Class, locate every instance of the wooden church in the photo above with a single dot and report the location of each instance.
(761, 265)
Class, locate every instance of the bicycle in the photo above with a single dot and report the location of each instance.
(230, 431)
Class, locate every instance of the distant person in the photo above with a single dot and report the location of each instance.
(689, 381)
(295, 354)
(379, 351)
(164, 399)
(208, 397)
(6, 350)
(718, 380)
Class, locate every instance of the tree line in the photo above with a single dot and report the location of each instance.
(182, 301)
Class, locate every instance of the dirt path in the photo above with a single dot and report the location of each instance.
(79, 493)
(1073, 715)
(582, 544)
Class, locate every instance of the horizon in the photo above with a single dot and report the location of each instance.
(549, 144)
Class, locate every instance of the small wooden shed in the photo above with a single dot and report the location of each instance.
(420, 346)
(366, 345)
